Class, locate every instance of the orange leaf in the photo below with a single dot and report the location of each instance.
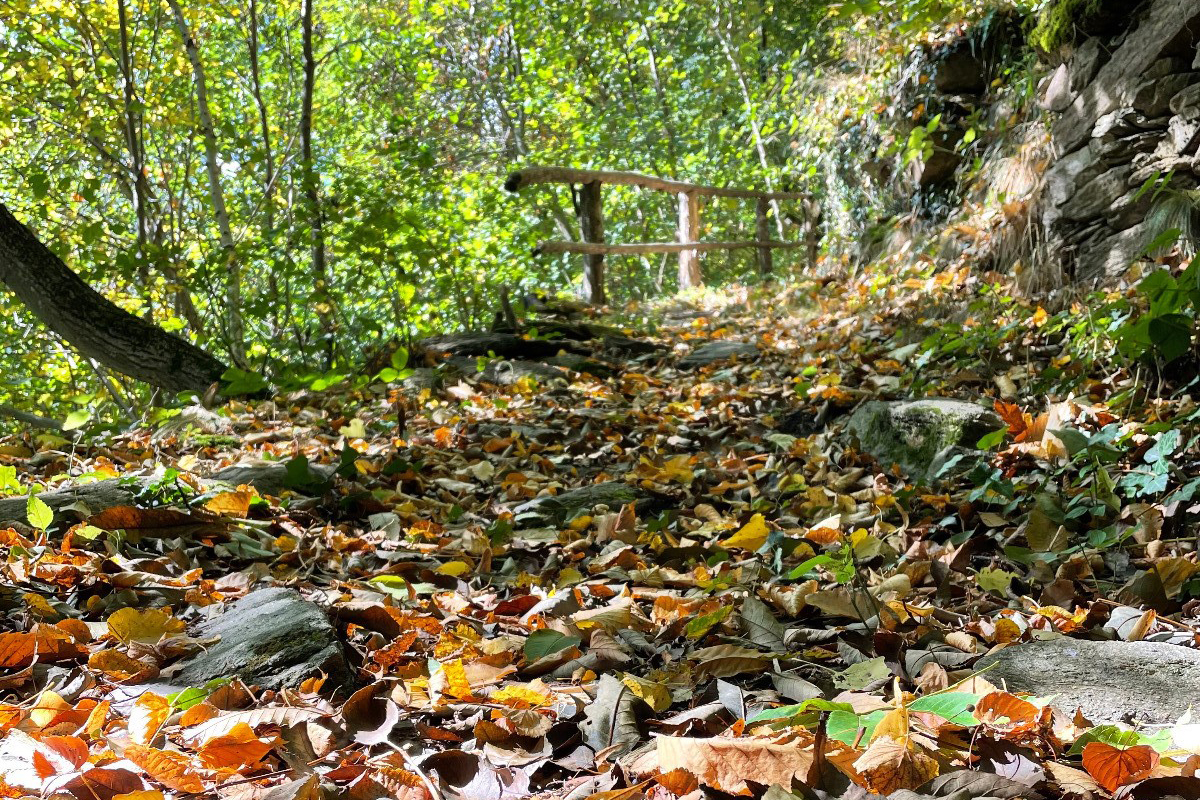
(149, 713)
(44, 644)
(238, 748)
(1013, 417)
(171, 769)
(1007, 713)
(1113, 767)
(201, 712)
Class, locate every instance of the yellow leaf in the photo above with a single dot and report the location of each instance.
(751, 536)
(454, 568)
(457, 685)
(232, 504)
(357, 429)
(655, 694)
(520, 697)
(142, 625)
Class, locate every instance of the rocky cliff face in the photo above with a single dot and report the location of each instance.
(1125, 114)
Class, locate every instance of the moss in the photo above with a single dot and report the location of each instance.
(1058, 21)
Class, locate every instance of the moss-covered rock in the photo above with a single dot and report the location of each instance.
(920, 435)
(271, 637)
(560, 508)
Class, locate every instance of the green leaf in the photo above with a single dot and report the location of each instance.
(699, 626)
(77, 419)
(808, 566)
(862, 674)
(795, 710)
(954, 707)
(991, 440)
(844, 725)
(1171, 335)
(38, 513)
(547, 642)
(991, 579)
(392, 584)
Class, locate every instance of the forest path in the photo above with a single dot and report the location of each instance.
(529, 574)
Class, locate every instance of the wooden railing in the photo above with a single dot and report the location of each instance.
(589, 209)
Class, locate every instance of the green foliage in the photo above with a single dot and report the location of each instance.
(1164, 331)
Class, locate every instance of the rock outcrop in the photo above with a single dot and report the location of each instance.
(1125, 120)
(920, 436)
(1150, 682)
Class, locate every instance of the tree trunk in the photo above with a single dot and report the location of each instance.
(323, 296)
(96, 327)
(235, 327)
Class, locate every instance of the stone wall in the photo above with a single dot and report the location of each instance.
(1123, 110)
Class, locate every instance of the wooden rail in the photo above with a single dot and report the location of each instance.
(589, 211)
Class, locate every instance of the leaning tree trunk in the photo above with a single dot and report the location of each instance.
(96, 327)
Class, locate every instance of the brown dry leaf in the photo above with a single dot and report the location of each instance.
(1072, 782)
(169, 768)
(724, 660)
(120, 667)
(889, 765)
(726, 763)
(146, 718)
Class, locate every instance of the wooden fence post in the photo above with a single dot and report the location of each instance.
(591, 225)
(762, 232)
(812, 230)
(689, 231)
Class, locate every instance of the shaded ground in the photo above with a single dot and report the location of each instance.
(679, 580)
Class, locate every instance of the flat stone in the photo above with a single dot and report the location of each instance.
(561, 508)
(1151, 682)
(271, 637)
(1098, 195)
(712, 352)
(1154, 97)
(920, 435)
(1186, 102)
(1085, 62)
(1109, 256)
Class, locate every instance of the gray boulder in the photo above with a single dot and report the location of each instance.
(712, 352)
(271, 637)
(920, 435)
(1151, 682)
